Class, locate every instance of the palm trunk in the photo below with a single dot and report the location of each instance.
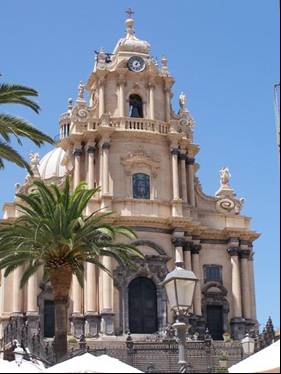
(60, 342)
(61, 281)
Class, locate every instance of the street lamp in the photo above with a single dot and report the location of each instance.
(180, 287)
(248, 345)
(18, 352)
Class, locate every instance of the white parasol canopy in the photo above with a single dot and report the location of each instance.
(265, 361)
(25, 367)
(88, 363)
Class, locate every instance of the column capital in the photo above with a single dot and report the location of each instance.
(121, 81)
(245, 253)
(195, 249)
(178, 242)
(91, 146)
(77, 152)
(188, 246)
(190, 160)
(174, 151)
(233, 251)
(182, 156)
(105, 145)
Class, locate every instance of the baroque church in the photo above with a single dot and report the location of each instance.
(121, 133)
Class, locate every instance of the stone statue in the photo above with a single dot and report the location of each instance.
(225, 176)
(34, 163)
(182, 102)
(17, 187)
(81, 89)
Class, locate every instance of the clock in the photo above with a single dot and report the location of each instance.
(136, 64)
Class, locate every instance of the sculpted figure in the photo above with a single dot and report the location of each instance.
(34, 163)
(81, 89)
(225, 176)
(182, 101)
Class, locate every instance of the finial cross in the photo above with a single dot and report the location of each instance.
(130, 12)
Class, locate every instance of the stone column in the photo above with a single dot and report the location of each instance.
(32, 288)
(246, 295)
(168, 103)
(105, 167)
(77, 152)
(91, 164)
(91, 314)
(179, 243)
(196, 269)
(183, 176)
(32, 312)
(121, 83)
(175, 173)
(17, 292)
(252, 288)
(187, 256)
(77, 317)
(236, 283)
(107, 315)
(191, 191)
(101, 97)
(151, 100)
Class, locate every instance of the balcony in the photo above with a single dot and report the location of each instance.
(119, 124)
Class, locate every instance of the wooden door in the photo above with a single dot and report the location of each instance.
(142, 306)
(215, 321)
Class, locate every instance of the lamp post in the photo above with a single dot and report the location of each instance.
(248, 345)
(180, 286)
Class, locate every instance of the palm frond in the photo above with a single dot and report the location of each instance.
(9, 154)
(10, 125)
(18, 94)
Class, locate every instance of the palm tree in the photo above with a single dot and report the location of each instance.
(53, 232)
(17, 127)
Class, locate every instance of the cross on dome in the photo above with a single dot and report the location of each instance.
(130, 12)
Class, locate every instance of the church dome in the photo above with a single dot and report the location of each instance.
(131, 43)
(51, 164)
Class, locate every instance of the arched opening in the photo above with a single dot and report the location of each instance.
(141, 186)
(142, 306)
(135, 106)
(215, 309)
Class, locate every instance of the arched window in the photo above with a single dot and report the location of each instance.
(135, 106)
(142, 306)
(141, 186)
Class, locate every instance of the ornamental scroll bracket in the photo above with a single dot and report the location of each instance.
(227, 201)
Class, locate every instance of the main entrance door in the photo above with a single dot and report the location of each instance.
(215, 321)
(142, 306)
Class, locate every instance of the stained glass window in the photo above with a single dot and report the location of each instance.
(141, 186)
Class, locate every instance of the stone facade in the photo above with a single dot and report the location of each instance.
(127, 138)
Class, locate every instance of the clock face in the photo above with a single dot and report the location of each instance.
(136, 64)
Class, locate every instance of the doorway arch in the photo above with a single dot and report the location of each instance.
(142, 306)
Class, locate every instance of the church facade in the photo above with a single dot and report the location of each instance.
(126, 138)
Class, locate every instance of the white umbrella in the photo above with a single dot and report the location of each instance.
(25, 367)
(88, 363)
(265, 361)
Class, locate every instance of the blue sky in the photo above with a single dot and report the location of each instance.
(223, 54)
